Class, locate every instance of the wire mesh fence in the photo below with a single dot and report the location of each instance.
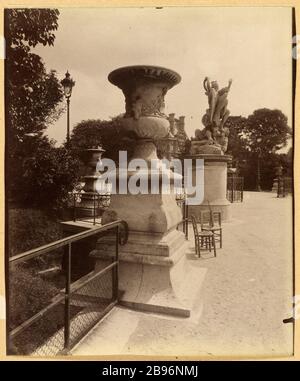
(51, 309)
(284, 186)
(45, 337)
(94, 299)
(32, 285)
(235, 189)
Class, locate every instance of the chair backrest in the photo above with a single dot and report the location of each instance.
(209, 218)
(194, 223)
(216, 217)
(205, 218)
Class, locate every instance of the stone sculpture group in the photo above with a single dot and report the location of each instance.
(213, 139)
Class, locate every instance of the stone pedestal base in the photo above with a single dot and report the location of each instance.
(154, 273)
(201, 147)
(215, 185)
(146, 212)
(224, 206)
(275, 186)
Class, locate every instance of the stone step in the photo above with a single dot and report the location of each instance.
(148, 244)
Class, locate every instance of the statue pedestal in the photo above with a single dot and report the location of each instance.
(154, 273)
(201, 147)
(89, 201)
(275, 186)
(215, 185)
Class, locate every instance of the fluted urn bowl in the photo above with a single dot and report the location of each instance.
(91, 157)
(144, 88)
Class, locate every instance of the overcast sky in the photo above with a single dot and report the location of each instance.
(250, 45)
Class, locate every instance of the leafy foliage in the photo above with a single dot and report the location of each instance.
(42, 174)
(236, 144)
(262, 133)
(266, 131)
(108, 134)
(38, 173)
(28, 294)
(32, 25)
(32, 95)
(31, 228)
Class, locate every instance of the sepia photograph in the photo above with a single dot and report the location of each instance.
(149, 182)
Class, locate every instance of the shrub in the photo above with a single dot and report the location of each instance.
(30, 228)
(41, 175)
(28, 294)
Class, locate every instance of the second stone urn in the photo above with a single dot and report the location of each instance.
(90, 157)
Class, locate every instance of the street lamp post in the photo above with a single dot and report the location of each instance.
(68, 84)
(258, 188)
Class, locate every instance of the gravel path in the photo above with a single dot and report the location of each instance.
(247, 293)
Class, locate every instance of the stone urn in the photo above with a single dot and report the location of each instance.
(90, 157)
(144, 88)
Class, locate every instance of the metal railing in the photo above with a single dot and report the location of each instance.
(184, 224)
(98, 203)
(284, 186)
(75, 309)
(235, 189)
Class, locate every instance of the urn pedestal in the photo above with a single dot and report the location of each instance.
(91, 157)
(275, 186)
(215, 185)
(154, 274)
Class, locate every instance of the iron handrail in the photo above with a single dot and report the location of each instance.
(71, 288)
(58, 299)
(68, 240)
(95, 196)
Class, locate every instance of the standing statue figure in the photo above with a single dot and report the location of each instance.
(221, 112)
(217, 113)
(215, 134)
(211, 90)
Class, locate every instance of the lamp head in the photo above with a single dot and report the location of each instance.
(68, 84)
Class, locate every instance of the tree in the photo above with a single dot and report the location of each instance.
(253, 142)
(236, 144)
(266, 131)
(38, 173)
(108, 134)
(33, 95)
